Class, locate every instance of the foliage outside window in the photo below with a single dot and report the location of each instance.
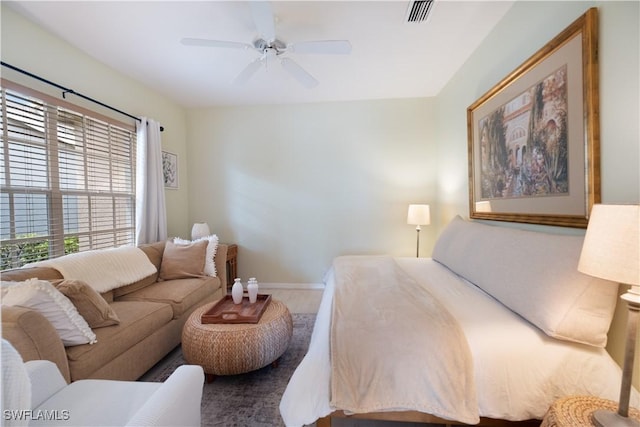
(67, 179)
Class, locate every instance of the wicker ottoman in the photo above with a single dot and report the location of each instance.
(229, 349)
(577, 410)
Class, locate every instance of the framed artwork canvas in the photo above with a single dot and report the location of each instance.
(534, 137)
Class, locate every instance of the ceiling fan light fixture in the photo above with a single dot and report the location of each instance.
(261, 45)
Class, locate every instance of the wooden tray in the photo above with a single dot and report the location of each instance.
(225, 311)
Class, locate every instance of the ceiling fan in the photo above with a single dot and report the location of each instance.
(270, 48)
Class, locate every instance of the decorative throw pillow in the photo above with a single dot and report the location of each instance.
(43, 297)
(183, 261)
(89, 303)
(212, 247)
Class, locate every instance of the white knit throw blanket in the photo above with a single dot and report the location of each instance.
(103, 269)
(16, 387)
(394, 346)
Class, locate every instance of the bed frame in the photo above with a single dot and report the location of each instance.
(421, 417)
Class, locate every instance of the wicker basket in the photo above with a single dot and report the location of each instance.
(229, 349)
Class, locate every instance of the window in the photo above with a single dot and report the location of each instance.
(67, 179)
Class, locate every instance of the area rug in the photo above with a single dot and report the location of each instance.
(250, 399)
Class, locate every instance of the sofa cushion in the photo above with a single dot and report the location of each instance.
(138, 320)
(20, 274)
(154, 252)
(533, 274)
(181, 294)
(97, 402)
(184, 260)
(134, 286)
(107, 296)
(91, 306)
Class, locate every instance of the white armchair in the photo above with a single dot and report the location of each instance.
(176, 402)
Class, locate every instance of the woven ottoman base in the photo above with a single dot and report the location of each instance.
(577, 411)
(229, 349)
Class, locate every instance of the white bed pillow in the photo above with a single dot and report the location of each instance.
(212, 248)
(43, 297)
(533, 274)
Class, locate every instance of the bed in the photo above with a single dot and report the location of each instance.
(534, 327)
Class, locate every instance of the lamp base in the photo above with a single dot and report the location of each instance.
(602, 418)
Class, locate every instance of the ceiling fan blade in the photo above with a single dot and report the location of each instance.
(334, 47)
(263, 18)
(248, 72)
(214, 43)
(298, 73)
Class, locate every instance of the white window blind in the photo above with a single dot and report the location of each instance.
(67, 180)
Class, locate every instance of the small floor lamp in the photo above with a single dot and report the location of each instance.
(418, 215)
(611, 251)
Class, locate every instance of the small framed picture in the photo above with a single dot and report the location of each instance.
(170, 170)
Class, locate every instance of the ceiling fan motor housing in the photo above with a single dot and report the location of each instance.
(263, 46)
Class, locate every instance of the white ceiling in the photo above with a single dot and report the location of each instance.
(390, 58)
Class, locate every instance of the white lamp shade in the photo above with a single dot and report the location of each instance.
(611, 244)
(418, 215)
(200, 229)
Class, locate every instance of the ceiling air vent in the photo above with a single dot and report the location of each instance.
(419, 10)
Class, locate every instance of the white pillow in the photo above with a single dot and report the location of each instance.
(534, 274)
(43, 297)
(212, 247)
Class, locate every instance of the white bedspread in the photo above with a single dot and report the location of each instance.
(378, 306)
(103, 269)
(519, 371)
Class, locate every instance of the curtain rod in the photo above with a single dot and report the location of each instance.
(66, 91)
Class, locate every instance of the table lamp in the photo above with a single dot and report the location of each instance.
(418, 215)
(200, 229)
(610, 251)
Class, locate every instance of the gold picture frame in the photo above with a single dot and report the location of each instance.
(534, 138)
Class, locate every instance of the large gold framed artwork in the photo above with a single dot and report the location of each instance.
(534, 137)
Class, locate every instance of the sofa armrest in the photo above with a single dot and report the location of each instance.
(31, 334)
(46, 380)
(176, 403)
(221, 265)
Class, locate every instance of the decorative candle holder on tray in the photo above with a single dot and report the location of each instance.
(225, 311)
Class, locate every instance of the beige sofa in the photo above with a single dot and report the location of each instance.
(152, 313)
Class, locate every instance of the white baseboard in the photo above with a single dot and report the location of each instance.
(302, 286)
